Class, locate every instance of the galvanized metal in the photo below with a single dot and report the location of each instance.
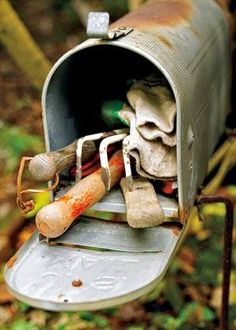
(107, 236)
(42, 275)
(114, 202)
(187, 41)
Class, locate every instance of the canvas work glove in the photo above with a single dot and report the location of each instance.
(153, 159)
(155, 112)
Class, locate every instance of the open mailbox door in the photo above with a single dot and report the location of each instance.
(97, 263)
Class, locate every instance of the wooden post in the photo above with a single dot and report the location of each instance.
(19, 44)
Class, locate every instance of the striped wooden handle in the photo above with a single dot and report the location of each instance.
(43, 167)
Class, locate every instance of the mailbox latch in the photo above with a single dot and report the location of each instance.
(98, 27)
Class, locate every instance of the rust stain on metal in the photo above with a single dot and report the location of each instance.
(165, 41)
(77, 283)
(11, 262)
(157, 12)
(183, 215)
(174, 227)
(176, 230)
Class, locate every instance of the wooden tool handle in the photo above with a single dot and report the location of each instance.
(143, 207)
(43, 167)
(55, 218)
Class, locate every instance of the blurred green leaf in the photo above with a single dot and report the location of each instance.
(232, 190)
(23, 307)
(187, 311)
(87, 316)
(165, 321)
(24, 102)
(13, 143)
(174, 295)
(23, 325)
(232, 313)
(61, 327)
(208, 314)
(40, 199)
(110, 311)
(217, 209)
(100, 321)
(2, 267)
(136, 327)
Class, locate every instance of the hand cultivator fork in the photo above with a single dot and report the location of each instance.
(108, 139)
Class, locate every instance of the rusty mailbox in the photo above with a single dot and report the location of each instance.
(186, 42)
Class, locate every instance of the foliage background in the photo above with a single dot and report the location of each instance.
(189, 296)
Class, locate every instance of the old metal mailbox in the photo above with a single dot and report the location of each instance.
(186, 42)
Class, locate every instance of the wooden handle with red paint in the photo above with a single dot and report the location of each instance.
(55, 218)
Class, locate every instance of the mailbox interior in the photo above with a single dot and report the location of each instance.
(80, 82)
(78, 85)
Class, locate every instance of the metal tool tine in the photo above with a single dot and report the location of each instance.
(104, 157)
(91, 137)
(126, 157)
